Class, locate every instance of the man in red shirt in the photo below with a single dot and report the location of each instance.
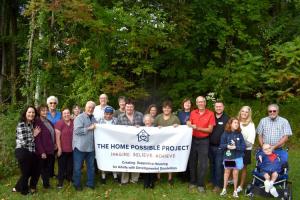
(202, 121)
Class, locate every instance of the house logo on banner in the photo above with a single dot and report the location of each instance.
(143, 136)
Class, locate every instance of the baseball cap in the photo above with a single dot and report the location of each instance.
(108, 109)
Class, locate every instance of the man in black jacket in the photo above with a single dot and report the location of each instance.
(216, 153)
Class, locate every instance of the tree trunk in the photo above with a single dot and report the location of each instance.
(37, 90)
(3, 48)
(13, 33)
(30, 50)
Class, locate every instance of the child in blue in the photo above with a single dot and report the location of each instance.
(270, 167)
(233, 145)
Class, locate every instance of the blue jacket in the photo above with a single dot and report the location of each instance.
(269, 166)
(238, 138)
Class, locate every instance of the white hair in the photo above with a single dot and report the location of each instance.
(148, 116)
(49, 99)
(90, 103)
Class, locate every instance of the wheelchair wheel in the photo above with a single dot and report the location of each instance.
(248, 192)
(249, 189)
(287, 194)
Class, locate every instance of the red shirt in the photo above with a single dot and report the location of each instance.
(202, 121)
(66, 136)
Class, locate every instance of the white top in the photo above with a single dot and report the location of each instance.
(99, 112)
(248, 134)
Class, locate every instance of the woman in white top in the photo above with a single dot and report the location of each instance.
(248, 131)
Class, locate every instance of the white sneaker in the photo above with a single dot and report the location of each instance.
(235, 194)
(239, 189)
(271, 184)
(223, 193)
(267, 186)
(274, 192)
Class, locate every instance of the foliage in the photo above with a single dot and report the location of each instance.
(8, 122)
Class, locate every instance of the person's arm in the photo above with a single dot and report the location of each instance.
(205, 130)
(223, 142)
(79, 128)
(58, 142)
(260, 140)
(251, 135)
(241, 146)
(281, 142)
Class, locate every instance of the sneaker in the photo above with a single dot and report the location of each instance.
(200, 189)
(224, 192)
(267, 186)
(239, 189)
(235, 194)
(274, 192)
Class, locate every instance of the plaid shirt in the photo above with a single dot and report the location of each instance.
(273, 130)
(137, 119)
(24, 136)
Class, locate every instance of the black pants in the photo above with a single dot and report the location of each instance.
(52, 164)
(198, 161)
(65, 166)
(28, 163)
(45, 169)
(149, 180)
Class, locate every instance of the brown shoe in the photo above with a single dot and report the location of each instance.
(216, 189)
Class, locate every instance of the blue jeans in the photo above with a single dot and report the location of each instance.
(216, 165)
(78, 158)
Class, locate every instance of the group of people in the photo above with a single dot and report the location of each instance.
(223, 143)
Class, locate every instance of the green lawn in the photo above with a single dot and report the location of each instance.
(115, 191)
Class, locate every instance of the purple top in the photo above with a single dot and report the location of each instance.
(43, 141)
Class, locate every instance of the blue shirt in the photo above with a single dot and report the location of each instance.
(83, 139)
(183, 117)
(54, 119)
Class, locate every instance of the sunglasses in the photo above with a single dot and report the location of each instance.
(272, 111)
(52, 103)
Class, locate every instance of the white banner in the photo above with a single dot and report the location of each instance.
(145, 149)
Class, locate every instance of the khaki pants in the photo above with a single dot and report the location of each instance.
(125, 177)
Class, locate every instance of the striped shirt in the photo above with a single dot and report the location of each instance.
(24, 136)
(273, 130)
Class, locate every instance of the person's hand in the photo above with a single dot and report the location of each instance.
(231, 147)
(272, 148)
(36, 131)
(175, 125)
(92, 127)
(188, 123)
(44, 156)
(59, 152)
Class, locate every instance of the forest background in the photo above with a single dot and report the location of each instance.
(244, 52)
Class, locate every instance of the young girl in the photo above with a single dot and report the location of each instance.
(233, 144)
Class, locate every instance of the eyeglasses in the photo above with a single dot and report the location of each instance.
(272, 111)
(52, 103)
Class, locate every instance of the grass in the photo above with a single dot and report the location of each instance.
(162, 190)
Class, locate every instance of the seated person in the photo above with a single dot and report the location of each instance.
(270, 167)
